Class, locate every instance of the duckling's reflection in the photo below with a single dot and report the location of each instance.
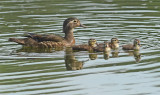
(106, 55)
(115, 52)
(92, 55)
(136, 54)
(71, 62)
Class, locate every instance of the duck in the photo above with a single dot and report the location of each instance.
(105, 48)
(86, 47)
(52, 40)
(114, 44)
(135, 46)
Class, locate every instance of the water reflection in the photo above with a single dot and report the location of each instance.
(115, 53)
(106, 55)
(124, 19)
(71, 62)
(136, 54)
(92, 55)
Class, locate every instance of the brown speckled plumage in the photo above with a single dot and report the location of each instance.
(52, 40)
(135, 46)
(86, 47)
(114, 44)
(105, 47)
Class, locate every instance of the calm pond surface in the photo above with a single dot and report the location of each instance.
(34, 72)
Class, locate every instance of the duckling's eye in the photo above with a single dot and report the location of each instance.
(75, 21)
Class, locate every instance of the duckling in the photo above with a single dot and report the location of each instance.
(86, 47)
(135, 46)
(49, 41)
(114, 44)
(104, 48)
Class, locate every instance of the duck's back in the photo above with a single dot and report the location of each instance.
(128, 47)
(41, 38)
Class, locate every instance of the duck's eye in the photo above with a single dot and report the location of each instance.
(75, 21)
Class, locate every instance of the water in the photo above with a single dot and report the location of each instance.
(26, 72)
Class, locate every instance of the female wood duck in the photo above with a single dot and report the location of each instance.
(86, 47)
(135, 46)
(49, 41)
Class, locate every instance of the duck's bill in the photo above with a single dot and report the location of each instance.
(81, 25)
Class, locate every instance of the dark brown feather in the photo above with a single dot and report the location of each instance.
(84, 47)
(40, 38)
(128, 47)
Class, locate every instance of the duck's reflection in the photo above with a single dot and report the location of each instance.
(38, 50)
(92, 55)
(115, 53)
(106, 55)
(136, 54)
(71, 62)
(34, 50)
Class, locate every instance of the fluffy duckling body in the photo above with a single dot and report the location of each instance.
(114, 44)
(86, 47)
(49, 41)
(103, 48)
(135, 46)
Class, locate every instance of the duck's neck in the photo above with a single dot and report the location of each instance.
(69, 37)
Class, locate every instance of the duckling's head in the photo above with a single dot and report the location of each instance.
(137, 42)
(92, 42)
(114, 41)
(71, 23)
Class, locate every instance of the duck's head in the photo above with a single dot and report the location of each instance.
(114, 41)
(92, 42)
(71, 23)
(137, 42)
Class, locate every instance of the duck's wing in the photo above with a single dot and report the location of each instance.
(41, 38)
(33, 43)
(127, 47)
(24, 41)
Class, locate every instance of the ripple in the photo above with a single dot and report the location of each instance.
(34, 72)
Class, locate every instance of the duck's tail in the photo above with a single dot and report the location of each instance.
(24, 41)
(19, 41)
